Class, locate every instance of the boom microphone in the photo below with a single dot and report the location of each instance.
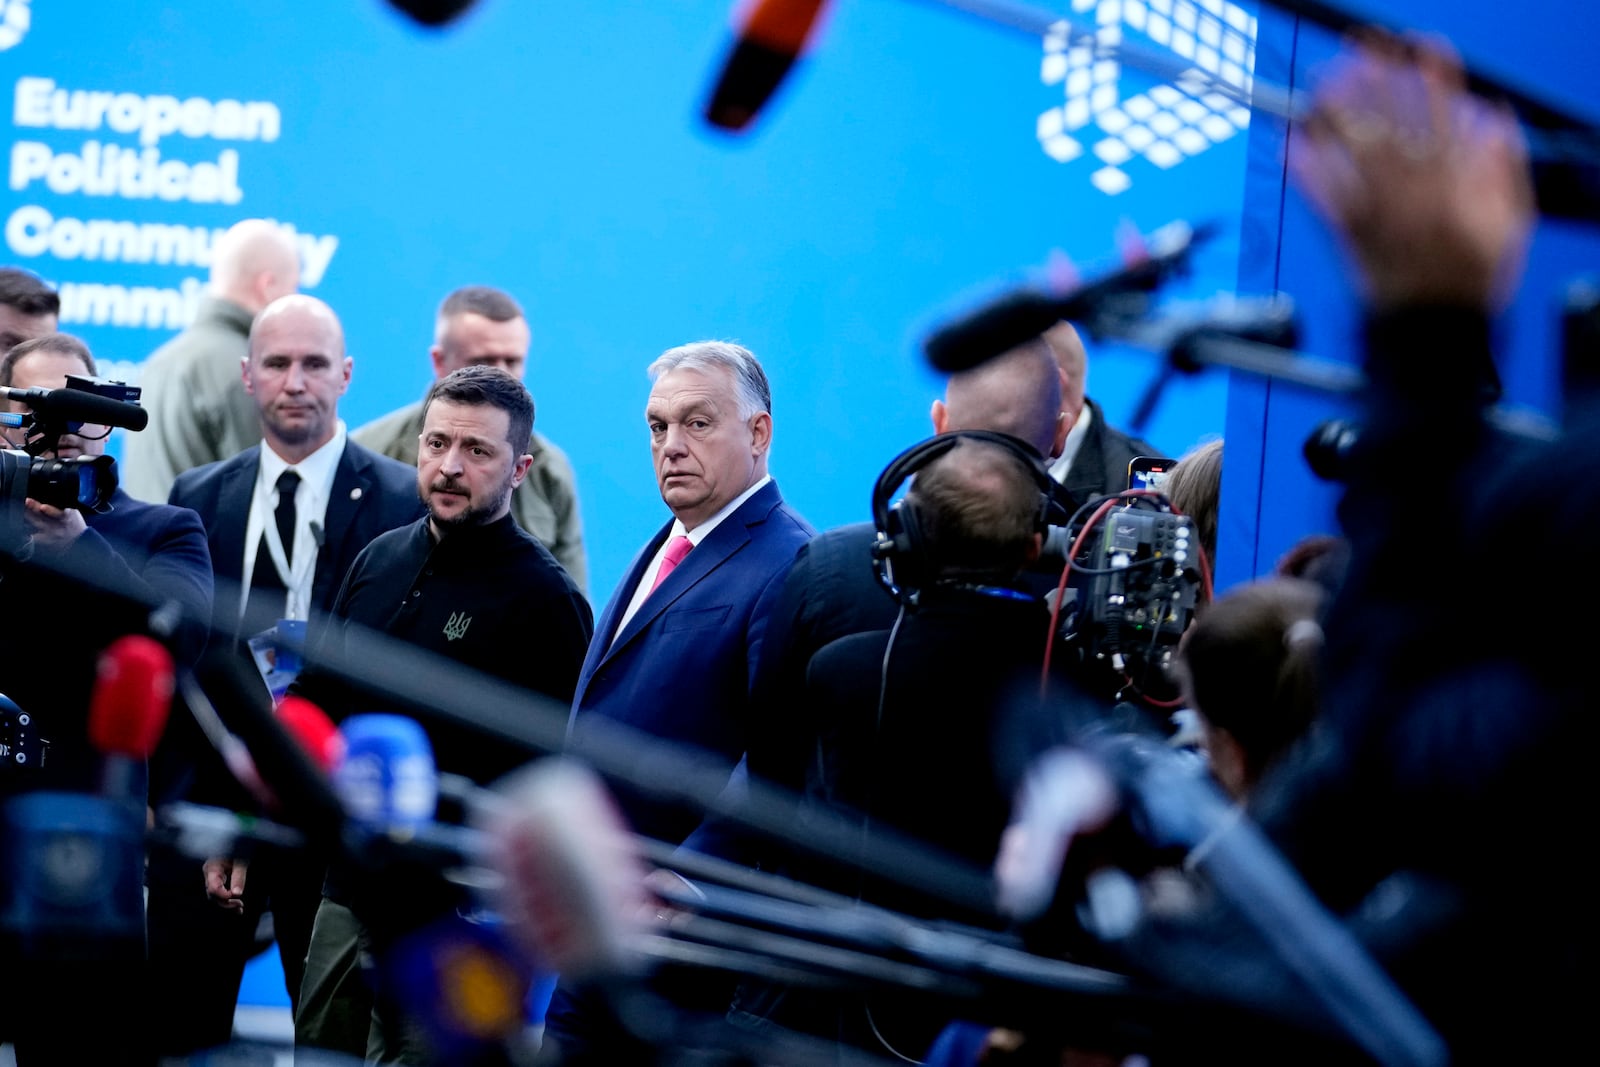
(432, 12)
(76, 405)
(1021, 316)
(770, 40)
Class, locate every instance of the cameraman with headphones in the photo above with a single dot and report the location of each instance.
(909, 720)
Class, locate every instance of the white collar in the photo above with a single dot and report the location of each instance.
(316, 470)
(703, 531)
(1069, 450)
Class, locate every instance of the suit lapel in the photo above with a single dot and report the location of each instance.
(233, 516)
(352, 485)
(600, 645)
(731, 535)
(698, 565)
(1087, 474)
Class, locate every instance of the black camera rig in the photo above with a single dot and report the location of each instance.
(1135, 573)
(82, 482)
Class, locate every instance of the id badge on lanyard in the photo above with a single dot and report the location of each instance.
(297, 579)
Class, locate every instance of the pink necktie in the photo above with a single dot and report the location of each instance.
(677, 548)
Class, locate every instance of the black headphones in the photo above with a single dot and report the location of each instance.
(899, 554)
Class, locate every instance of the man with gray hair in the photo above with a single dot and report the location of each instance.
(199, 410)
(677, 645)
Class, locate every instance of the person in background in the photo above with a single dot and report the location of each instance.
(28, 308)
(481, 326)
(199, 413)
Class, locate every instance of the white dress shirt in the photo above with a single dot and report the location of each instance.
(316, 472)
(647, 580)
(1069, 451)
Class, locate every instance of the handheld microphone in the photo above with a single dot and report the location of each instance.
(1066, 793)
(262, 747)
(311, 727)
(771, 38)
(128, 711)
(76, 405)
(573, 889)
(428, 942)
(387, 779)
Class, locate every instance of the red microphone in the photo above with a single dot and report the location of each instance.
(132, 695)
(771, 38)
(313, 730)
(128, 710)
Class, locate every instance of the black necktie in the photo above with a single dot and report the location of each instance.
(268, 597)
(288, 481)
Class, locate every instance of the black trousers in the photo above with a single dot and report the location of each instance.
(198, 951)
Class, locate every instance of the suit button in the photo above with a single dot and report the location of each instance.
(415, 593)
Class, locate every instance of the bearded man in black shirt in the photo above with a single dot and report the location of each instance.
(466, 583)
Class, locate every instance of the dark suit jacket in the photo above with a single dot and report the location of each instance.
(1101, 465)
(829, 593)
(149, 551)
(681, 670)
(152, 547)
(371, 494)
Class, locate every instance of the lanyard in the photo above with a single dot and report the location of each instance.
(296, 580)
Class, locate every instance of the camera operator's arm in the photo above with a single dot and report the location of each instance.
(161, 555)
(53, 529)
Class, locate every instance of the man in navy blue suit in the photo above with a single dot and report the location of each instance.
(675, 649)
(151, 551)
(285, 519)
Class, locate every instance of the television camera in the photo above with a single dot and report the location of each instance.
(82, 482)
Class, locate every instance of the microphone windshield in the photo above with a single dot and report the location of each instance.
(132, 696)
(996, 327)
(316, 733)
(573, 885)
(387, 778)
(770, 39)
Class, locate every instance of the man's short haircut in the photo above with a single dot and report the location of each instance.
(24, 291)
(64, 343)
(750, 381)
(977, 509)
(488, 387)
(496, 305)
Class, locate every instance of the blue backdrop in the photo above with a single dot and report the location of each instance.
(1270, 500)
(556, 150)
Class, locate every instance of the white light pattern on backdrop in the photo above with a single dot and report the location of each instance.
(1164, 125)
